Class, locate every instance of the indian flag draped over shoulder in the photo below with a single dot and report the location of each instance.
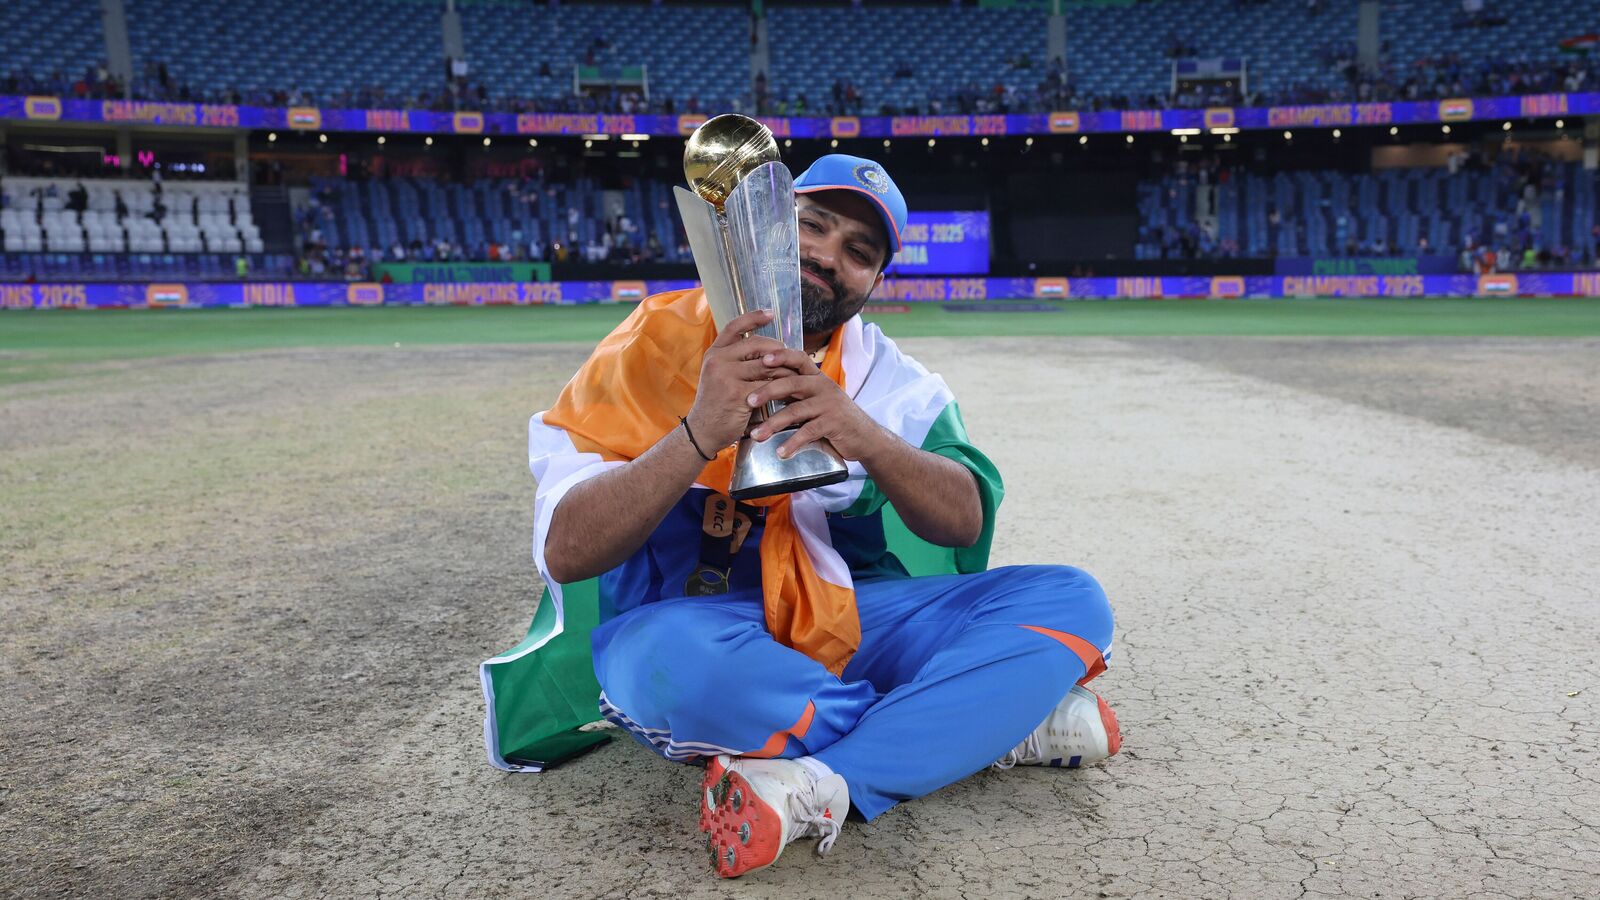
(542, 692)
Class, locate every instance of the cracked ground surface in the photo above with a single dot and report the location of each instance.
(1355, 584)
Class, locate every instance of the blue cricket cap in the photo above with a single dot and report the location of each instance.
(839, 172)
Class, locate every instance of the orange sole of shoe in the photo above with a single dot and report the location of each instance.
(1113, 730)
(742, 832)
(714, 770)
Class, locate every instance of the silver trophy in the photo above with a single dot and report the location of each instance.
(743, 230)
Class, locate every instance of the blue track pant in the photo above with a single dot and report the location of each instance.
(952, 672)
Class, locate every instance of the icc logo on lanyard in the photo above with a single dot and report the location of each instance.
(722, 532)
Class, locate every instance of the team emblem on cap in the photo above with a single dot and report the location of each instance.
(872, 178)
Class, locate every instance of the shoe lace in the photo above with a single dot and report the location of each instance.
(1028, 749)
(811, 820)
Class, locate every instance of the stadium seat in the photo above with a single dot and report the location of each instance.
(954, 47)
(317, 47)
(508, 43)
(44, 36)
(1323, 213)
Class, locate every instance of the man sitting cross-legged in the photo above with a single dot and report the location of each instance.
(798, 646)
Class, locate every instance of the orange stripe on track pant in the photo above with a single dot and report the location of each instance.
(1093, 662)
(780, 739)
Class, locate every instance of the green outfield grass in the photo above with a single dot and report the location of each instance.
(35, 344)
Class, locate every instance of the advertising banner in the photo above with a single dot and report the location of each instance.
(966, 291)
(305, 118)
(418, 273)
(943, 243)
(1365, 265)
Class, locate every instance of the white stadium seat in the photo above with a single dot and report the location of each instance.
(224, 223)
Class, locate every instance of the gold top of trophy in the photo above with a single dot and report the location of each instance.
(722, 151)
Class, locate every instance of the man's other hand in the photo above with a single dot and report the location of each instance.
(821, 408)
(731, 371)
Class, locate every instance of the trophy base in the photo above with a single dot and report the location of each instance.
(758, 472)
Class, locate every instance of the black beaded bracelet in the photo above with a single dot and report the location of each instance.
(692, 442)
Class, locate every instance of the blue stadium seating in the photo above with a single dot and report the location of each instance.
(1113, 49)
(380, 213)
(1415, 29)
(699, 52)
(315, 46)
(1122, 50)
(140, 266)
(1322, 213)
(946, 48)
(38, 37)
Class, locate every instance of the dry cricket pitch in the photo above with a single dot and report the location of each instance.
(1355, 581)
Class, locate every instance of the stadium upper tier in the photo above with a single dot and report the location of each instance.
(525, 50)
(1127, 51)
(900, 57)
(38, 37)
(867, 60)
(309, 46)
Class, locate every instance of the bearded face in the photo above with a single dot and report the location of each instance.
(824, 307)
(843, 249)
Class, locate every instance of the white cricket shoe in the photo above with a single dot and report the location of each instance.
(751, 809)
(1080, 731)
